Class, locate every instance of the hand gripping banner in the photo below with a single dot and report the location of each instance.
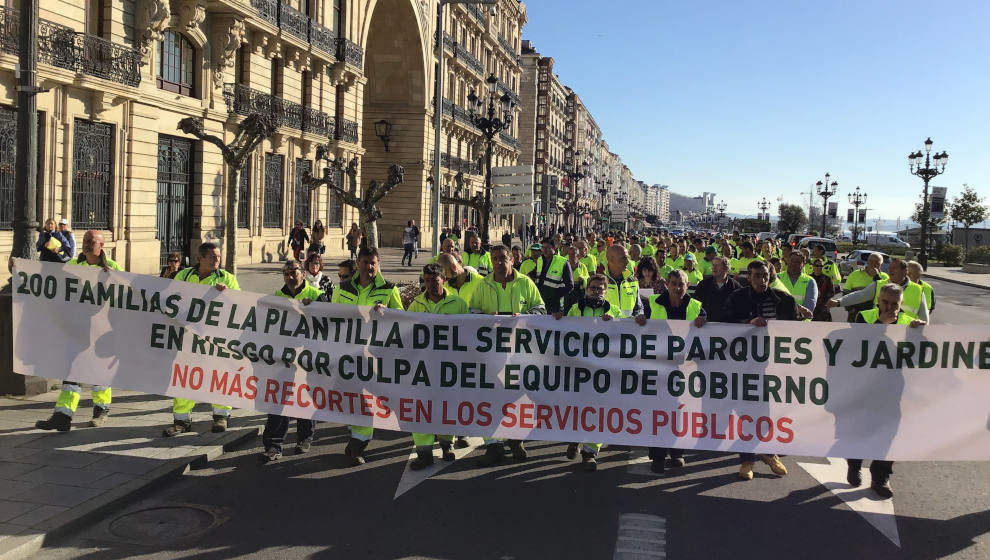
(816, 389)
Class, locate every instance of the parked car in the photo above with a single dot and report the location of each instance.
(793, 238)
(831, 251)
(764, 235)
(857, 260)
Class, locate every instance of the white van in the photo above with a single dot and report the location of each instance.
(884, 239)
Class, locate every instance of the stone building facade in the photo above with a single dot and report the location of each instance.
(118, 75)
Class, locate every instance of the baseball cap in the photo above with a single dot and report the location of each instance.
(689, 257)
(63, 222)
(536, 247)
(710, 249)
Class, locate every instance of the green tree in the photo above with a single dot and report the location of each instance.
(968, 209)
(792, 218)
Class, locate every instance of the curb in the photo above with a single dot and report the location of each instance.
(960, 282)
(22, 546)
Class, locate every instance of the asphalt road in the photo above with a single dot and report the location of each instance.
(315, 506)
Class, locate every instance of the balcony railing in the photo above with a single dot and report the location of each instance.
(504, 88)
(508, 47)
(63, 47)
(455, 163)
(242, 100)
(458, 113)
(296, 23)
(347, 131)
(477, 13)
(463, 54)
(350, 53)
(509, 139)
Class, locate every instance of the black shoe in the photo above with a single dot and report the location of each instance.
(355, 450)
(424, 458)
(271, 455)
(219, 424)
(657, 465)
(461, 443)
(854, 476)
(588, 461)
(59, 421)
(177, 427)
(882, 488)
(494, 452)
(100, 416)
(572, 450)
(446, 452)
(677, 462)
(518, 450)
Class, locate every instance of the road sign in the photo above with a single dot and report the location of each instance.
(523, 189)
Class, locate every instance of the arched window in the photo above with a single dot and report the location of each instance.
(176, 71)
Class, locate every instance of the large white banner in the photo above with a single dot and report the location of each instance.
(816, 389)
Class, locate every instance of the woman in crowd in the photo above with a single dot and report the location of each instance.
(297, 239)
(826, 289)
(172, 264)
(51, 244)
(316, 278)
(354, 240)
(316, 242)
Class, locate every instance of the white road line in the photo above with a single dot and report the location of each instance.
(641, 537)
(878, 512)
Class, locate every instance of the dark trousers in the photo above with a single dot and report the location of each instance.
(747, 457)
(879, 470)
(660, 453)
(276, 428)
(407, 253)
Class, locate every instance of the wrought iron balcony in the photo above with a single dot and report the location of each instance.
(242, 100)
(322, 38)
(63, 47)
(458, 113)
(504, 88)
(508, 47)
(347, 131)
(318, 122)
(455, 163)
(477, 13)
(296, 23)
(293, 21)
(350, 53)
(463, 54)
(509, 139)
(267, 10)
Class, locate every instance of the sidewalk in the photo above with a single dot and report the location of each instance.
(55, 481)
(955, 275)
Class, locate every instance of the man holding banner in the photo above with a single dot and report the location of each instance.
(887, 313)
(436, 299)
(68, 399)
(505, 292)
(277, 426)
(674, 304)
(913, 301)
(207, 272)
(755, 304)
(368, 288)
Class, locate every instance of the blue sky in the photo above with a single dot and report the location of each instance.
(751, 99)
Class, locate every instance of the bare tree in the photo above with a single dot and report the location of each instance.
(367, 201)
(250, 134)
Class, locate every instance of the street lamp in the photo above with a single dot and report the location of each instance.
(438, 116)
(856, 199)
(825, 193)
(763, 205)
(383, 129)
(933, 166)
(490, 122)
